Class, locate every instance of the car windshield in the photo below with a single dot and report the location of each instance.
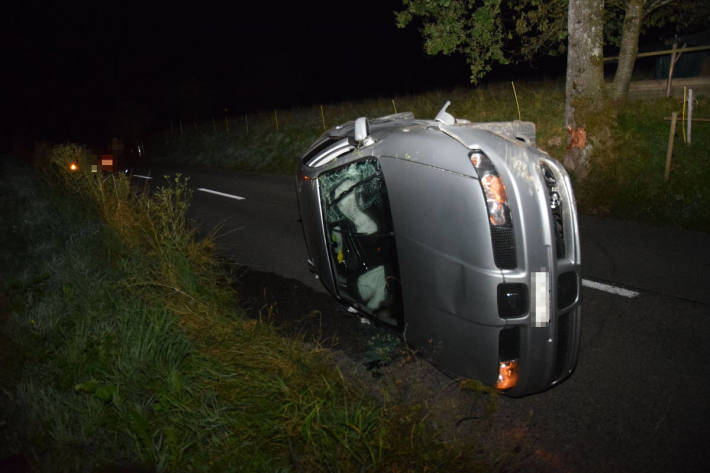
(358, 226)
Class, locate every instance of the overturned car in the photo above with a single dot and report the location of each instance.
(464, 235)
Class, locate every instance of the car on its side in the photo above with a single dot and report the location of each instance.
(463, 235)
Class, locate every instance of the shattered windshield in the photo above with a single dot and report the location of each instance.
(358, 225)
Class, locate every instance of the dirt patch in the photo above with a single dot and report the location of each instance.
(297, 310)
(374, 354)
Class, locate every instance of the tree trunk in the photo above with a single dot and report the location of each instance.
(629, 48)
(585, 68)
(585, 77)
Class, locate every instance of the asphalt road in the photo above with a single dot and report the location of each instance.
(639, 398)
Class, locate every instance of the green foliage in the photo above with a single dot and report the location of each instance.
(63, 155)
(540, 25)
(488, 32)
(626, 179)
(471, 28)
(621, 137)
(125, 343)
(496, 32)
(249, 142)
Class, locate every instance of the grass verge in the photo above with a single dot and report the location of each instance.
(630, 142)
(124, 350)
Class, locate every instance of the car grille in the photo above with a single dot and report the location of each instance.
(503, 247)
(566, 289)
(559, 233)
(556, 203)
(563, 343)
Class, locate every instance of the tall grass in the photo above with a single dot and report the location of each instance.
(124, 346)
(252, 141)
(629, 140)
(627, 178)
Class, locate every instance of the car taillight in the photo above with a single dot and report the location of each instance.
(493, 188)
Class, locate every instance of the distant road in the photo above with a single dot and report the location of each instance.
(639, 398)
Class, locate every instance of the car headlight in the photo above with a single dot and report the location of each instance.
(493, 188)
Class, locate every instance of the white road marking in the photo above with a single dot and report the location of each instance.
(610, 289)
(142, 177)
(231, 196)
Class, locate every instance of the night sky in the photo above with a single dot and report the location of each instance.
(87, 71)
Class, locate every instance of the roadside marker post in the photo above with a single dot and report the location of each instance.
(690, 116)
(516, 99)
(682, 121)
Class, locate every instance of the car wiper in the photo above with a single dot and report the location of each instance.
(353, 243)
(352, 188)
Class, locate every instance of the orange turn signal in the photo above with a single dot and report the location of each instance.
(507, 374)
(494, 188)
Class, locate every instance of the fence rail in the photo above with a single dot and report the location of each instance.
(664, 52)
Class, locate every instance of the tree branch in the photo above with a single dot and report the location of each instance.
(655, 5)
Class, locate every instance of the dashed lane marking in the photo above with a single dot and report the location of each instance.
(231, 196)
(619, 291)
(608, 288)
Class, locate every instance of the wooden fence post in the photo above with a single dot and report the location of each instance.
(667, 174)
(690, 115)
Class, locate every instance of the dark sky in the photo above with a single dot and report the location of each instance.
(86, 71)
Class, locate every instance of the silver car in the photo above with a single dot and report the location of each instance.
(463, 235)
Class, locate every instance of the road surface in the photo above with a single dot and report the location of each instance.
(639, 398)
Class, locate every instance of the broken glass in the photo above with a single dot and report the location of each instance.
(358, 225)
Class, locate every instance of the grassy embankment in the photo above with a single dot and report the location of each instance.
(122, 348)
(626, 178)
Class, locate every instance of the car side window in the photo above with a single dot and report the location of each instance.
(358, 226)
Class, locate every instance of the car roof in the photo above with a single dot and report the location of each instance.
(431, 141)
